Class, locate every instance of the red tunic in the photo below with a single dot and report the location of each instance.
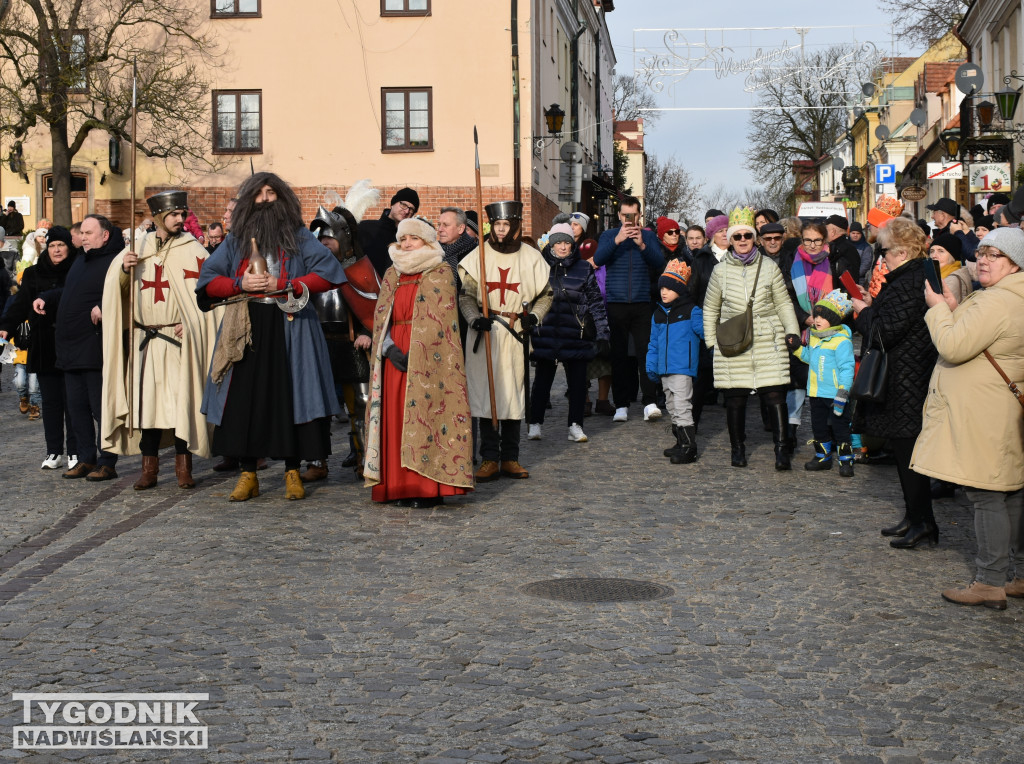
(397, 482)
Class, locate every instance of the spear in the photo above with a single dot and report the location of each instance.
(131, 270)
(482, 285)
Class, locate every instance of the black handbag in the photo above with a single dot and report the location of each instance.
(23, 336)
(736, 334)
(869, 384)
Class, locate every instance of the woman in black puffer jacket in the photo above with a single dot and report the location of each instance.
(48, 273)
(567, 335)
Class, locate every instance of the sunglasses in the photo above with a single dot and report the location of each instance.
(744, 236)
(672, 233)
(771, 238)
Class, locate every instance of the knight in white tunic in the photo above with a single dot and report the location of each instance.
(518, 295)
(173, 343)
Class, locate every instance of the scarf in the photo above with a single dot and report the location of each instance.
(458, 249)
(823, 334)
(949, 270)
(416, 260)
(718, 253)
(748, 258)
(811, 276)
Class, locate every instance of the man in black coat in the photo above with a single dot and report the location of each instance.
(946, 216)
(377, 235)
(13, 222)
(79, 341)
(842, 254)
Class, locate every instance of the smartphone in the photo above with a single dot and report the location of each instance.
(931, 272)
(630, 217)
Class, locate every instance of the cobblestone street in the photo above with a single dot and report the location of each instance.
(336, 629)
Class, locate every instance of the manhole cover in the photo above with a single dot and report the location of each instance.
(597, 590)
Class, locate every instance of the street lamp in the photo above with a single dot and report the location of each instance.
(951, 140)
(1007, 101)
(986, 111)
(553, 118)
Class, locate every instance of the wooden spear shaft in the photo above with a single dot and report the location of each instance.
(131, 270)
(482, 285)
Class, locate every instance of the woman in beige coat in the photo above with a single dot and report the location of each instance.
(764, 367)
(973, 433)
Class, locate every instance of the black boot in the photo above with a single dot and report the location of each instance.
(688, 446)
(675, 449)
(822, 459)
(917, 534)
(900, 529)
(791, 440)
(766, 417)
(735, 417)
(778, 417)
(845, 451)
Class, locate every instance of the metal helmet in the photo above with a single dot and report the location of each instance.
(168, 201)
(504, 211)
(340, 225)
(327, 223)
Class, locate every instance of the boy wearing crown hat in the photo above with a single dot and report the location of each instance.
(518, 296)
(173, 343)
(677, 328)
(829, 354)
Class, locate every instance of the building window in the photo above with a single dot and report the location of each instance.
(408, 121)
(220, 9)
(404, 7)
(76, 73)
(237, 122)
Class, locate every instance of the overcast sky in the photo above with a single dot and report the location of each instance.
(709, 143)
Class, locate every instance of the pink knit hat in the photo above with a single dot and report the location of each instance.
(717, 224)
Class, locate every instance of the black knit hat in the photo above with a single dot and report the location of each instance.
(59, 233)
(407, 195)
(831, 316)
(838, 221)
(950, 243)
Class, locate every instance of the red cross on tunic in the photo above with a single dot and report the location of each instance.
(503, 285)
(199, 266)
(157, 284)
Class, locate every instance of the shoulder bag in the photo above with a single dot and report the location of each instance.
(1009, 382)
(736, 334)
(869, 384)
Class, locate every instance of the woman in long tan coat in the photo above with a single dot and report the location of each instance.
(973, 433)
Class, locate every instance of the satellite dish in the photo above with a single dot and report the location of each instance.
(868, 89)
(969, 78)
(838, 163)
(858, 113)
(918, 117)
(571, 152)
(881, 132)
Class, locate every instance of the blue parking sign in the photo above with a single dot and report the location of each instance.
(885, 173)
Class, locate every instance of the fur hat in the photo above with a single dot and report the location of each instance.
(561, 232)
(407, 195)
(676, 275)
(742, 219)
(950, 243)
(417, 226)
(1009, 241)
(885, 209)
(716, 224)
(666, 224)
(835, 303)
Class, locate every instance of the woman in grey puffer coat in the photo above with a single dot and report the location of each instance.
(764, 367)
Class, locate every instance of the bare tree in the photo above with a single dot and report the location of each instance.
(719, 198)
(808, 102)
(631, 94)
(67, 67)
(669, 190)
(921, 22)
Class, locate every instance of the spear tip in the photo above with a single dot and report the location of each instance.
(476, 138)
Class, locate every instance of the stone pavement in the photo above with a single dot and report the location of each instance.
(335, 629)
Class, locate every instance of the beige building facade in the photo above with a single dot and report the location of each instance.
(326, 93)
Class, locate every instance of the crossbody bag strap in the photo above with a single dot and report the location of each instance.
(757, 275)
(1009, 382)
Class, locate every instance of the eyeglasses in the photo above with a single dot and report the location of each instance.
(989, 253)
(407, 207)
(743, 236)
(771, 238)
(813, 242)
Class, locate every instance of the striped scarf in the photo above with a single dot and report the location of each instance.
(812, 279)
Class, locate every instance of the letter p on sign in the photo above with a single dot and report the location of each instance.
(885, 173)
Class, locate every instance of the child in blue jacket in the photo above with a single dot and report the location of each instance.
(677, 329)
(829, 353)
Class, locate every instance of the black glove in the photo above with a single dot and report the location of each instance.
(604, 348)
(793, 342)
(482, 324)
(529, 322)
(398, 359)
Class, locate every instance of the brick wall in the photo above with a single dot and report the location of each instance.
(543, 211)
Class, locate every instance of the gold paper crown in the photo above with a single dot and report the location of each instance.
(677, 269)
(742, 216)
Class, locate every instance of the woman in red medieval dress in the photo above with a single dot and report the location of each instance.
(418, 431)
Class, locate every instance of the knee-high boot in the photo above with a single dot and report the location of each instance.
(736, 418)
(778, 417)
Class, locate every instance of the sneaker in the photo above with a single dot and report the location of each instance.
(534, 432)
(51, 462)
(72, 461)
(651, 412)
(621, 414)
(576, 434)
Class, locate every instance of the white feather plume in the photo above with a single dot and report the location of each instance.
(361, 197)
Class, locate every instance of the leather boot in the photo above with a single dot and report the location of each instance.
(736, 419)
(791, 440)
(978, 594)
(293, 488)
(845, 451)
(917, 534)
(900, 529)
(246, 488)
(23, 405)
(183, 470)
(315, 470)
(513, 469)
(676, 447)
(822, 457)
(33, 413)
(687, 446)
(150, 466)
(778, 417)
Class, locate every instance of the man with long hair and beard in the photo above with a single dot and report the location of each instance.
(270, 391)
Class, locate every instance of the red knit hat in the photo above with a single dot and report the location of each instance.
(666, 224)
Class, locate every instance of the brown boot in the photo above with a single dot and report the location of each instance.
(150, 466)
(978, 594)
(488, 471)
(514, 470)
(227, 464)
(33, 413)
(183, 470)
(315, 471)
(246, 488)
(1015, 588)
(23, 405)
(80, 470)
(293, 485)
